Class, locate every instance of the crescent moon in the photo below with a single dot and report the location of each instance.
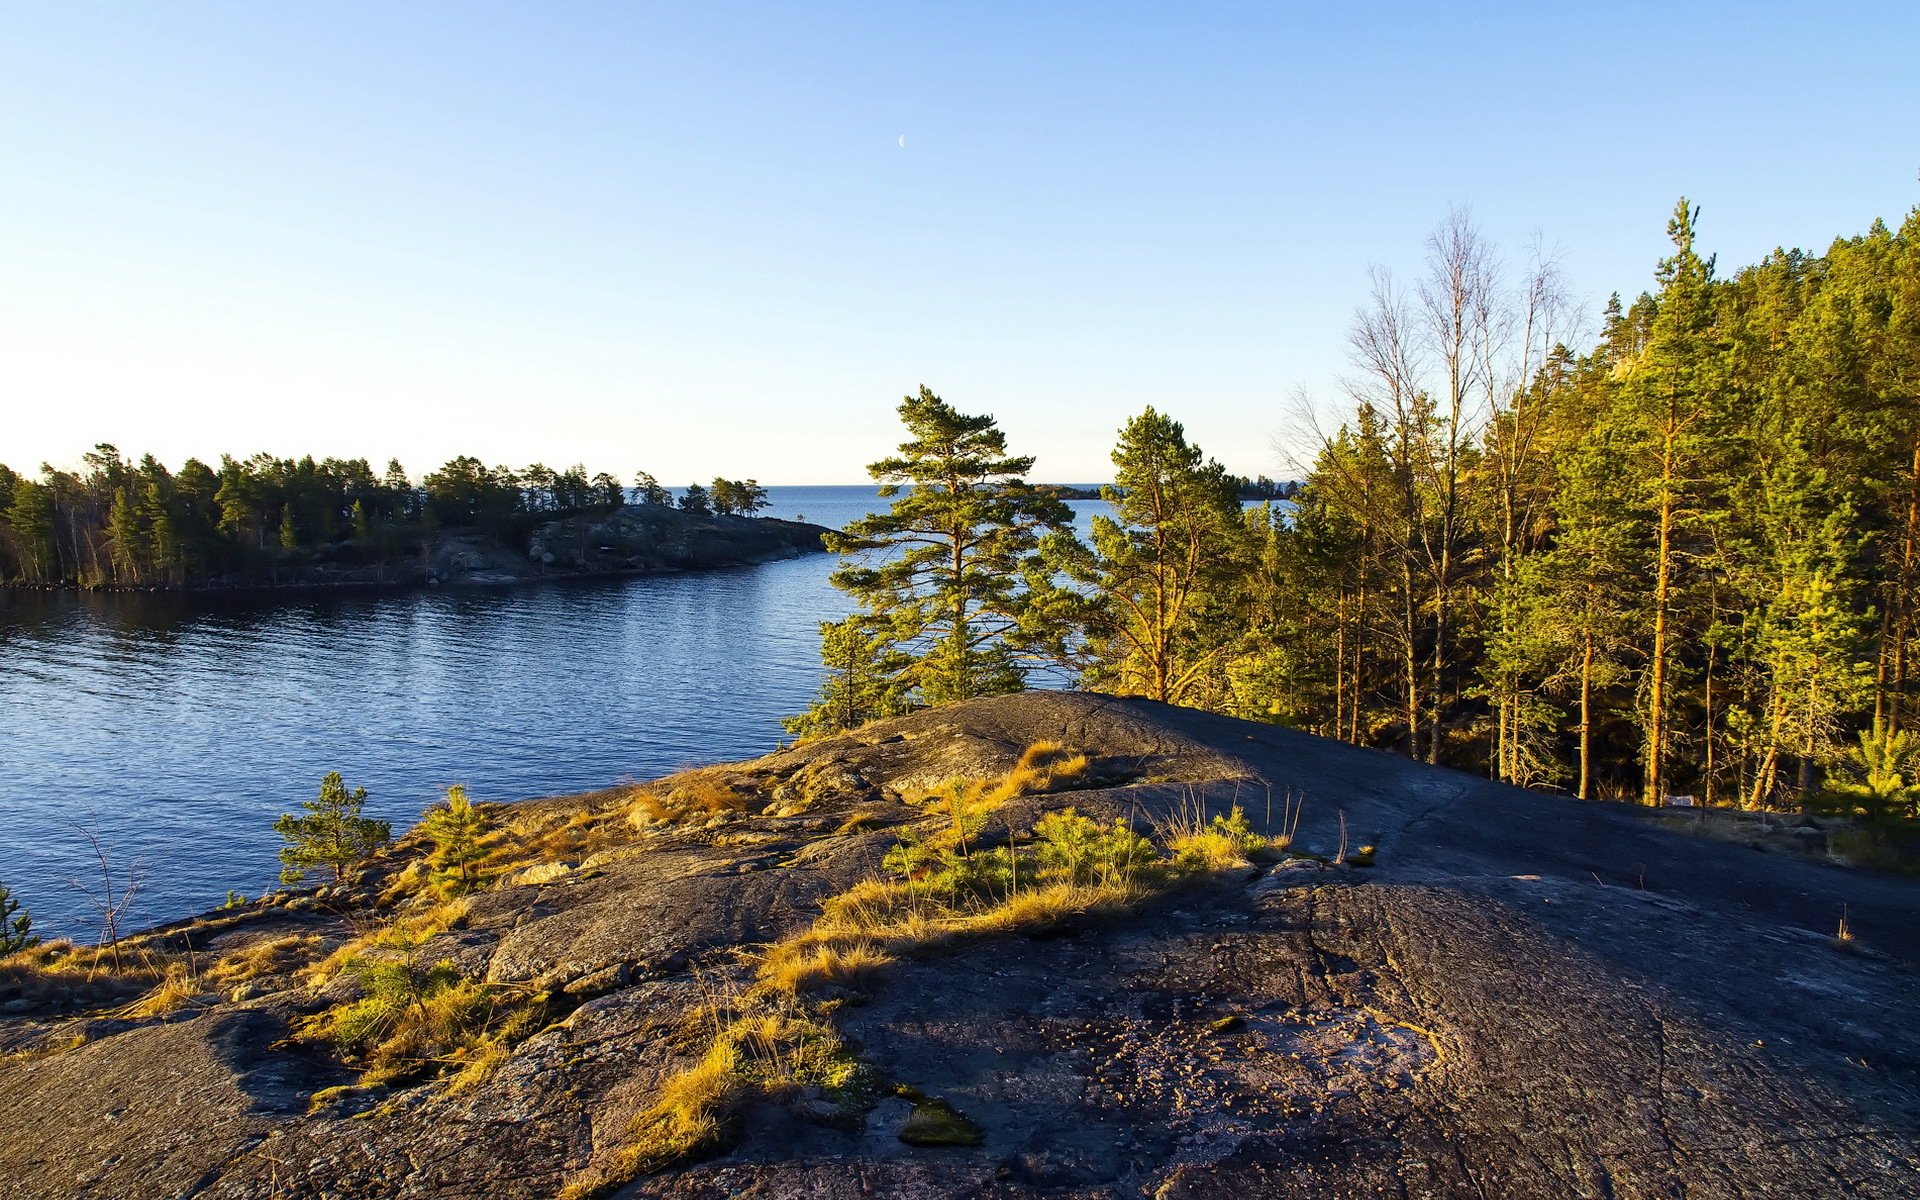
(903, 141)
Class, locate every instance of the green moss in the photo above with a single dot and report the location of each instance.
(937, 1123)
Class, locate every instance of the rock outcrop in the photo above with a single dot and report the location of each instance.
(1522, 996)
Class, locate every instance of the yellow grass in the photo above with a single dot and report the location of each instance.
(273, 956)
(175, 991)
(55, 972)
(688, 796)
(794, 968)
(402, 934)
(1051, 906)
(1043, 767)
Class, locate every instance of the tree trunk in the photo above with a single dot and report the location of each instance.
(1654, 791)
(1586, 718)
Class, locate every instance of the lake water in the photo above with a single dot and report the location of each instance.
(180, 726)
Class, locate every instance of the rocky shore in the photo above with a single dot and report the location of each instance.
(1413, 982)
(637, 539)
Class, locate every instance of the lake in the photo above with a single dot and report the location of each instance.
(179, 726)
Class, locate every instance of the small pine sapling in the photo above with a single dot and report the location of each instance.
(16, 924)
(456, 828)
(332, 834)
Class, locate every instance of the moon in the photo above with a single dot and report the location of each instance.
(903, 141)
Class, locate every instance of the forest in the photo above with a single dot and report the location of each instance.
(136, 524)
(1680, 559)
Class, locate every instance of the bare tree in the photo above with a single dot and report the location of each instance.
(1524, 366)
(1440, 389)
(1463, 322)
(112, 896)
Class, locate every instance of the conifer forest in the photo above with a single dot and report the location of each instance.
(1678, 556)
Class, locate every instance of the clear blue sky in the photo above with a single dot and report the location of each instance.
(686, 237)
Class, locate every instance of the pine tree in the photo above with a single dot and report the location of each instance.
(332, 835)
(455, 829)
(125, 539)
(16, 924)
(31, 518)
(649, 490)
(1161, 568)
(1674, 407)
(863, 680)
(949, 579)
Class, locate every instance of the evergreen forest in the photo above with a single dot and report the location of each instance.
(1679, 556)
(120, 523)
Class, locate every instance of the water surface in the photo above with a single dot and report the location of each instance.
(179, 726)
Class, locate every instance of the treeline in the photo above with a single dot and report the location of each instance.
(1683, 560)
(123, 523)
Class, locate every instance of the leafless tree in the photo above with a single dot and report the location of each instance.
(1440, 387)
(112, 896)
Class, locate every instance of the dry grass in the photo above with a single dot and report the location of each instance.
(796, 969)
(877, 922)
(59, 973)
(778, 1041)
(688, 796)
(861, 822)
(1043, 767)
(177, 989)
(763, 1053)
(535, 838)
(403, 934)
(265, 959)
(1054, 905)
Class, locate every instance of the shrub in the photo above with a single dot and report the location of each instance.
(406, 1019)
(1073, 849)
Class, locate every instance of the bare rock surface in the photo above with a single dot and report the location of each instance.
(1524, 996)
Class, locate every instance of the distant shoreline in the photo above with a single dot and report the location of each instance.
(633, 541)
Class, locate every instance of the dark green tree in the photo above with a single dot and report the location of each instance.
(649, 490)
(16, 924)
(949, 578)
(30, 519)
(332, 835)
(696, 500)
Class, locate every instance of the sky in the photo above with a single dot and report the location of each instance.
(725, 239)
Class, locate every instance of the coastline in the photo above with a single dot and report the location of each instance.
(632, 541)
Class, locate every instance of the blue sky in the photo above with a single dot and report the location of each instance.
(687, 237)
